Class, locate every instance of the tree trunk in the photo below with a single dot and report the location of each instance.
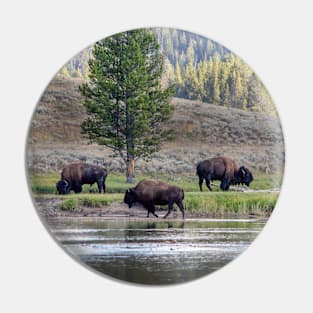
(130, 171)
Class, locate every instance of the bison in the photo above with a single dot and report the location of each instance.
(75, 175)
(152, 192)
(224, 169)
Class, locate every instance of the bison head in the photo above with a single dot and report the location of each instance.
(130, 197)
(63, 187)
(245, 175)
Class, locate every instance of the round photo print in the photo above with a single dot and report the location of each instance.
(155, 156)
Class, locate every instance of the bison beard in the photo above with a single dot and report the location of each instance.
(152, 192)
(224, 169)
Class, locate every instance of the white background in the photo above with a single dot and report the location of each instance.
(275, 38)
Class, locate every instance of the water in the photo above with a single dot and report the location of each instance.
(155, 252)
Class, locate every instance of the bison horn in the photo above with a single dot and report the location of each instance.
(243, 170)
(66, 183)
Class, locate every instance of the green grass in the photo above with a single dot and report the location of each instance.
(218, 203)
(69, 205)
(211, 203)
(44, 183)
(73, 201)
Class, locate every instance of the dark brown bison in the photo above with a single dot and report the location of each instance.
(152, 192)
(224, 169)
(75, 175)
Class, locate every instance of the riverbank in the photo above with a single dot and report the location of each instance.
(197, 204)
(258, 200)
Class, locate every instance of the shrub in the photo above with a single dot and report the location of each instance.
(69, 204)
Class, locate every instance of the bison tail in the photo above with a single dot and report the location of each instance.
(183, 197)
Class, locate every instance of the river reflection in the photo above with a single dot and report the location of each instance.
(155, 252)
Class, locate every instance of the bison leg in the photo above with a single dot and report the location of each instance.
(170, 208)
(78, 188)
(181, 207)
(200, 183)
(103, 185)
(100, 185)
(151, 210)
(207, 182)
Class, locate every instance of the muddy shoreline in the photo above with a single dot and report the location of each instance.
(49, 208)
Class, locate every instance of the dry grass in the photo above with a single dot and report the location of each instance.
(200, 131)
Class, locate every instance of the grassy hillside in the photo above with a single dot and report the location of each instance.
(201, 131)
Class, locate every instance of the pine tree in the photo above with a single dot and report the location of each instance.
(168, 75)
(191, 53)
(238, 90)
(216, 82)
(227, 97)
(178, 76)
(191, 84)
(208, 82)
(178, 79)
(258, 98)
(64, 72)
(78, 73)
(201, 71)
(125, 102)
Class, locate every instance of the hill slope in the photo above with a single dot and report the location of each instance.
(201, 131)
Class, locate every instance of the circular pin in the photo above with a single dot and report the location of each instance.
(155, 156)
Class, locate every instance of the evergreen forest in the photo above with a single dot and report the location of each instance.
(200, 69)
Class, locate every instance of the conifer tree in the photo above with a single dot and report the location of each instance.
(178, 76)
(78, 73)
(191, 84)
(238, 90)
(258, 98)
(125, 101)
(216, 83)
(64, 71)
(168, 76)
(201, 71)
(226, 97)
